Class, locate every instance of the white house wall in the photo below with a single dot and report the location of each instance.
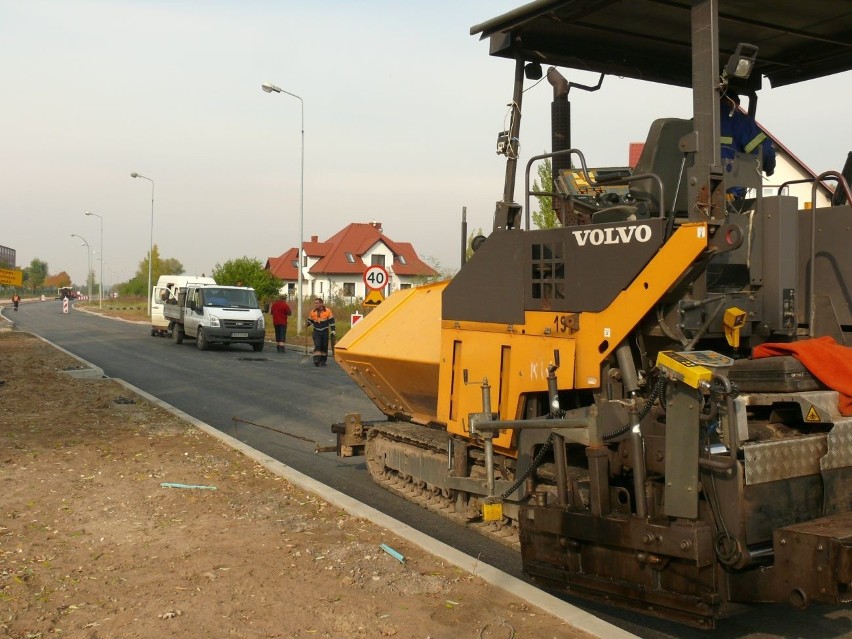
(786, 170)
(332, 286)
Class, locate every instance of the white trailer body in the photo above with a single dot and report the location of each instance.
(165, 291)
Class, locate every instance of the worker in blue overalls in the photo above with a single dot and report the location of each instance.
(740, 133)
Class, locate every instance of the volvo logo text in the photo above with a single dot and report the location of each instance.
(613, 235)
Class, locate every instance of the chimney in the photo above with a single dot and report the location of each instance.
(314, 238)
(377, 226)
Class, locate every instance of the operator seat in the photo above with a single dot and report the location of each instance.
(662, 155)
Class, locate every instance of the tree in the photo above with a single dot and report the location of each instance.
(444, 272)
(35, 274)
(247, 271)
(167, 266)
(139, 283)
(159, 266)
(57, 281)
(469, 250)
(545, 216)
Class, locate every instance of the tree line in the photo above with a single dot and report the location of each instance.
(243, 271)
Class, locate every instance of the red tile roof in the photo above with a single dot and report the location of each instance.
(634, 153)
(357, 239)
(282, 266)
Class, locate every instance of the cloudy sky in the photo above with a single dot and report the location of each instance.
(401, 109)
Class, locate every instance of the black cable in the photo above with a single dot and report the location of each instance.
(726, 546)
(536, 462)
(643, 412)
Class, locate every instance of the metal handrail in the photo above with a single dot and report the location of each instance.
(583, 167)
(812, 279)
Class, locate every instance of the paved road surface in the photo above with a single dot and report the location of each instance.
(285, 392)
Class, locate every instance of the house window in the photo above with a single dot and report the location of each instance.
(377, 260)
(349, 289)
(295, 263)
(305, 261)
(401, 259)
(350, 258)
(404, 286)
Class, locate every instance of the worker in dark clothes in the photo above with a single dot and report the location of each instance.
(280, 311)
(322, 320)
(740, 133)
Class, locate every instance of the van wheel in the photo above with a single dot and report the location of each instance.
(177, 334)
(257, 347)
(201, 340)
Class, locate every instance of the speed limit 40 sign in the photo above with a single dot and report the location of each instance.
(375, 277)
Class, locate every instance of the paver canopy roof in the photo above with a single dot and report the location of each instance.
(651, 39)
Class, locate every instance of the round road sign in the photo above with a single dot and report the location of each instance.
(375, 277)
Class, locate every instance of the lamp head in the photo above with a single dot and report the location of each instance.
(742, 60)
(268, 87)
(134, 175)
(87, 212)
(533, 71)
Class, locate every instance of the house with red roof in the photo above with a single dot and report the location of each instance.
(335, 268)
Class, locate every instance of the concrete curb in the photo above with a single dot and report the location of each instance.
(6, 323)
(89, 372)
(568, 613)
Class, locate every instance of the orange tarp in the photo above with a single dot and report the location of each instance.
(828, 361)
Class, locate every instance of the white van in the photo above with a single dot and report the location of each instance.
(166, 290)
(214, 314)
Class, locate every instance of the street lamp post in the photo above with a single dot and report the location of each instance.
(151, 245)
(89, 258)
(271, 88)
(101, 288)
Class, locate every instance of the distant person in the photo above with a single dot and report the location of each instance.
(322, 319)
(280, 311)
(16, 299)
(740, 133)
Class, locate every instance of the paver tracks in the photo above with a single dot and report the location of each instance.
(423, 446)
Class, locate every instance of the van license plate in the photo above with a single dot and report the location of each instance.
(239, 334)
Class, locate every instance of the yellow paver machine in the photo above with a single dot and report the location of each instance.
(650, 399)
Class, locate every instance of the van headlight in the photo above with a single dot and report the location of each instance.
(214, 321)
(261, 323)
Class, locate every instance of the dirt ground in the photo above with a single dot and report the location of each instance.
(93, 546)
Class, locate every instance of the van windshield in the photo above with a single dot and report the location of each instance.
(229, 297)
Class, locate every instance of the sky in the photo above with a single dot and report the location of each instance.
(401, 107)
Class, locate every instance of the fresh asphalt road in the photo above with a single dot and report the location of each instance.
(287, 393)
